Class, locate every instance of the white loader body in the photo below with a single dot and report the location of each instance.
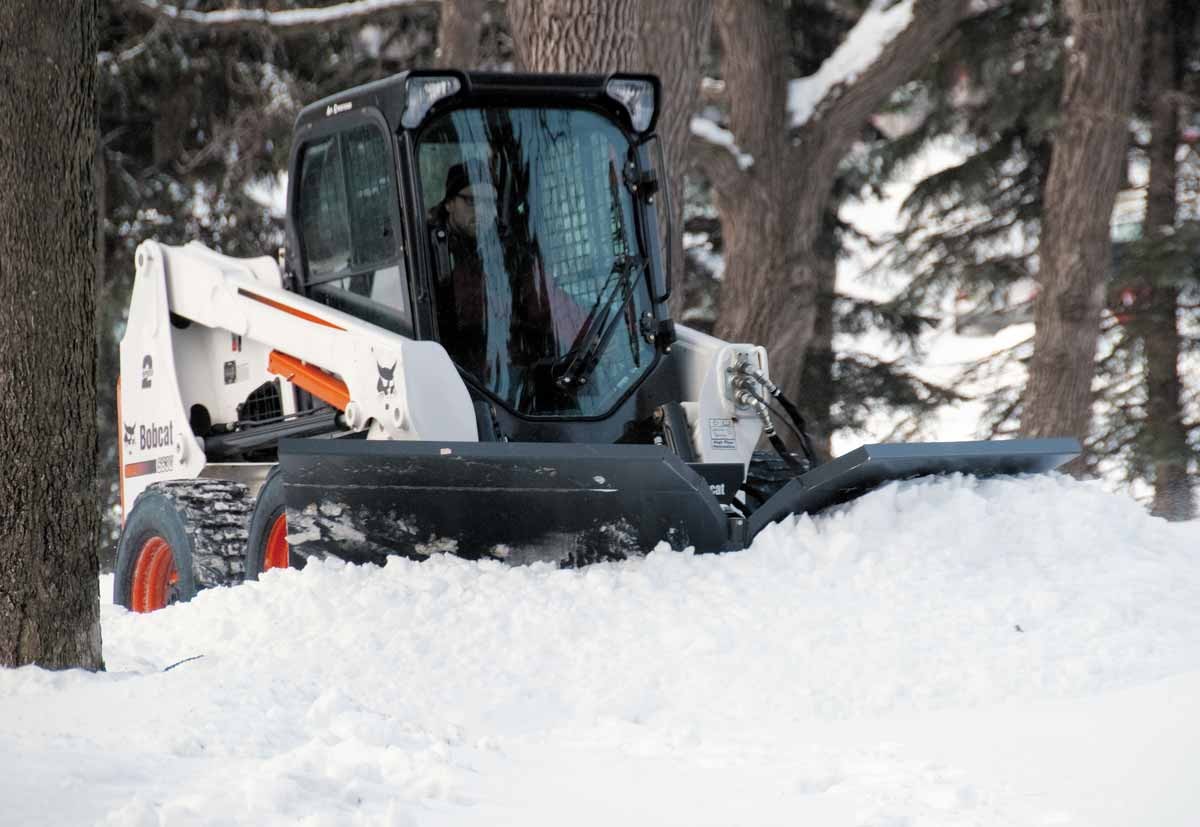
(203, 328)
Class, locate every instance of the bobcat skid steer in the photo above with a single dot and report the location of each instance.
(464, 348)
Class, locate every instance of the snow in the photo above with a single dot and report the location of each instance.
(708, 130)
(877, 27)
(280, 19)
(942, 652)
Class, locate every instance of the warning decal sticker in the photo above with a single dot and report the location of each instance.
(721, 435)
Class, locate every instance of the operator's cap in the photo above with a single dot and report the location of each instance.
(461, 176)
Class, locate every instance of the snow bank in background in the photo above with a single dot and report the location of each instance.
(870, 667)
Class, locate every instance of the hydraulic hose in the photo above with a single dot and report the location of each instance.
(801, 427)
(745, 396)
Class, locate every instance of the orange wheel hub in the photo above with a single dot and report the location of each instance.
(154, 576)
(276, 554)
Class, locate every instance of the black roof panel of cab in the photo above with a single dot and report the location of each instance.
(387, 94)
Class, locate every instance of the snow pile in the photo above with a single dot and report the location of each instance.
(874, 666)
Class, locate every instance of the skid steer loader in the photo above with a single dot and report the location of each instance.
(464, 348)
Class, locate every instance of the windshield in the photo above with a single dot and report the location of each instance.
(538, 258)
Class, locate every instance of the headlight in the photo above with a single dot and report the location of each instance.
(421, 93)
(637, 96)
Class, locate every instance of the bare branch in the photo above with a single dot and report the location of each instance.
(717, 163)
(290, 21)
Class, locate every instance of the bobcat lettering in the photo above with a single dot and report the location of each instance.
(156, 436)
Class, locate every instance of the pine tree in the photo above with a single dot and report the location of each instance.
(1155, 273)
(997, 91)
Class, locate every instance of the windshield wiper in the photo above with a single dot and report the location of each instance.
(600, 324)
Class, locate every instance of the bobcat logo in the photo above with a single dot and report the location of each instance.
(129, 432)
(387, 384)
(147, 370)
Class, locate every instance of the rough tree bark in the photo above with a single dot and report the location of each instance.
(666, 38)
(674, 40)
(460, 26)
(771, 213)
(1159, 329)
(597, 36)
(819, 359)
(1090, 142)
(49, 525)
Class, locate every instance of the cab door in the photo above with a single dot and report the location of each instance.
(347, 219)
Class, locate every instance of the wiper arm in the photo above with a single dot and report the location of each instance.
(600, 324)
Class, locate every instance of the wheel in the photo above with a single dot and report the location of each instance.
(266, 540)
(181, 537)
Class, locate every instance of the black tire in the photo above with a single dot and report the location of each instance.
(204, 524)
(268, 508)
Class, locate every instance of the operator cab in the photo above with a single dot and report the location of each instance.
(509, 217)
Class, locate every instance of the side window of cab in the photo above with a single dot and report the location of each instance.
(348, 220)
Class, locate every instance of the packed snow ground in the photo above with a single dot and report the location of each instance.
(943, 652)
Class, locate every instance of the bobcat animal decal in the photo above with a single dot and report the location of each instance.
(129, 432)
(387, 383)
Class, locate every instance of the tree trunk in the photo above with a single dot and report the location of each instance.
(819, 392)
(592, 36)
(459, 28)
(596, 36)
(1160, 327)
(1101, 56)
(767, 295)
(674, 44)
(772, 212)
(49, 608)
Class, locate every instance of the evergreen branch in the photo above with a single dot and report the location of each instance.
(1005, 416)
(975, 171)
(286, 22)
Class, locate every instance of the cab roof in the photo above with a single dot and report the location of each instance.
(388, 95)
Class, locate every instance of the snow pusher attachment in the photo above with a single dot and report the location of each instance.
(574, 504)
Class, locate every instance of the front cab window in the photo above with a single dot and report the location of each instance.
(540, 281)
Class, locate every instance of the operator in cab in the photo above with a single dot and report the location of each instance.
(538, 313)
(468, 206)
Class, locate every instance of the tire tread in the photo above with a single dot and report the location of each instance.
(217, 515)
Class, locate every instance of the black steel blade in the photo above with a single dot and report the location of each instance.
(863, 469)
(520, 502)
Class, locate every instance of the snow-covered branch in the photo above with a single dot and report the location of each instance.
(710, 132)
(877, 27)
(884, 49)
(288, 21)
